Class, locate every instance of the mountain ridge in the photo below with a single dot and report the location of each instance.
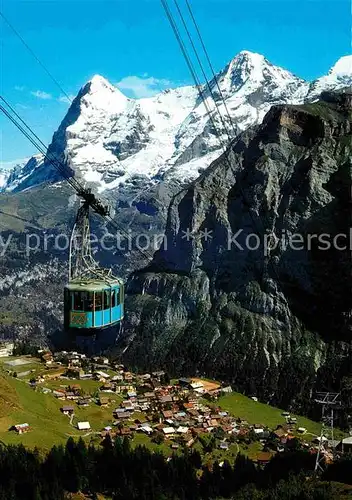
(110, 140)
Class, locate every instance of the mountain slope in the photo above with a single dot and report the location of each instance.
(266, 319)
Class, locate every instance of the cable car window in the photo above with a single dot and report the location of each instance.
(77, 301)
(88, 301)
(98, 301)
(118, 296)
(106, 299)
(113, 297)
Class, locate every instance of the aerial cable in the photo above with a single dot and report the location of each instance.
(226, 153)
(202, 68)
(210, 65)
(35, 57)
(190, 66)
(60, 167)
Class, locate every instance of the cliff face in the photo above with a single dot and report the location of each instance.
(245, 287)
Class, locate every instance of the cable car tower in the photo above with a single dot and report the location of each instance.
(329, 402)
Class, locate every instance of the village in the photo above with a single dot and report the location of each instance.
(174, 414)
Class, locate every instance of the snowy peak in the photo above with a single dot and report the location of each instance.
(343, 67)
(339, 77)
(249, 71)
(112, 141)
(100, 94)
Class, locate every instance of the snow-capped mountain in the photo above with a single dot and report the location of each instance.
(339, 76)
(4, 174)
(112, 141)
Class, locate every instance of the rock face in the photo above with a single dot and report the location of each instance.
(243, 289)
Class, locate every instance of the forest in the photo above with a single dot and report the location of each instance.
(119, 472)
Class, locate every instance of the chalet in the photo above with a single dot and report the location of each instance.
(167, 414)
(182, 429)
(165, 399)
(107, 386)
(99, 375)
(124, 431)
(67, 410)
(146, 429)
(6, 349)
(104, 401)
(197, 385)
(345, 445)
(72, 396)
(76, 388)
(59, 394)
(281, 431)
(264, 458)
(83, 426)
(150, 395)
(226, 389)
(21, 428)
(259, 432)
(83, 402)
(128, 376)
(127, 404)
(188, 406)
(168, 431)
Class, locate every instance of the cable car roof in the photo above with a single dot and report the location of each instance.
(93, 284)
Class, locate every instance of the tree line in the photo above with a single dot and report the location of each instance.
(121, 472)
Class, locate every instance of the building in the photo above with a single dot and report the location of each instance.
(264, 458)
(104, 401)
(83, 426)
(21, 428)
(67, 410)
(345, 445)
(6, 349)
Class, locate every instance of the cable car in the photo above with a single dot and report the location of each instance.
(93, 297)
(93, 303)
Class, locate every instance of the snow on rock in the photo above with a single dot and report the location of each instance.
(339, 76)
(110, 141)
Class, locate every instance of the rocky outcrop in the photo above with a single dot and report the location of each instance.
(245, 287)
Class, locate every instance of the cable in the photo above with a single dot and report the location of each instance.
(201, 67)
(210, 64)
(35, 57)
(60, 167)
(190, 66)
(227, 152)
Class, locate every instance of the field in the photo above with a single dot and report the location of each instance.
(21, 404)
(258, 413)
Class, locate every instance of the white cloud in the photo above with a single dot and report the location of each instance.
(143, 87)
(20, 88)
(41, 94)
(22, 106)
(66, 99)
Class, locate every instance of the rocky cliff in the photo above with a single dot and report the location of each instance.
(253, 282)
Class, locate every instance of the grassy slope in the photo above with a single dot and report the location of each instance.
(19, 404)
(258, 413)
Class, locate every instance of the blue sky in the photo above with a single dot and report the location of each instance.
(130, 42)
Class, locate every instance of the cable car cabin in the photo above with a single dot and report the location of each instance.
(93, 304)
